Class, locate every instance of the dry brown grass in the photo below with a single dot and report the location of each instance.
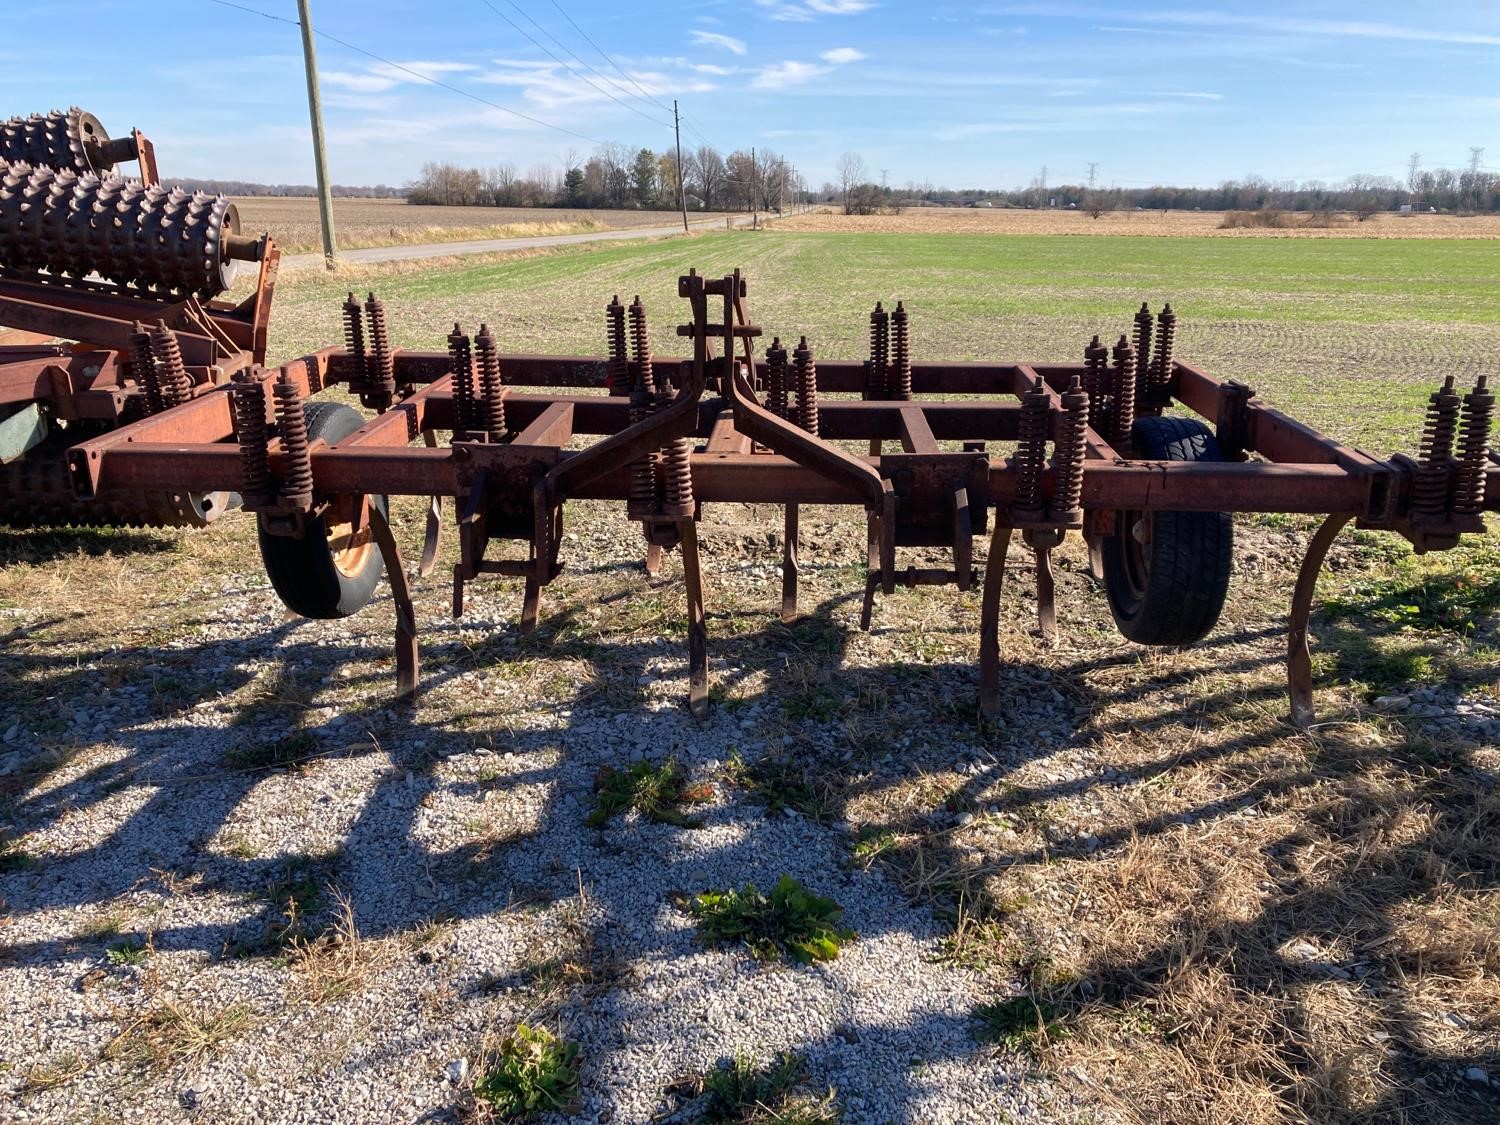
(177, 1033)
(1225, 920)
(338, 961)
(392, 222)
(1142, 224)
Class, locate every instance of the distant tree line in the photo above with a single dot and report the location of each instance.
(1450, 190)
(620, 177)
(246, 187)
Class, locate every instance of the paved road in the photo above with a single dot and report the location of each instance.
(494, 245)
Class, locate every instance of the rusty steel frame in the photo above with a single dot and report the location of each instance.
(744, 444)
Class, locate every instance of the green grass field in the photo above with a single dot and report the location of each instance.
(1348, 333)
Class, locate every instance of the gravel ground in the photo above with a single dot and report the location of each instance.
(455, 832)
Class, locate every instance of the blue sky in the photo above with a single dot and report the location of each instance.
(956, 94)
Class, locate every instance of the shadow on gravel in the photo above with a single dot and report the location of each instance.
(832, 737)
(49, 544)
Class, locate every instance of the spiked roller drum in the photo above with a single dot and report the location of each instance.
(159, 240)
(35, 492)
(74, 141)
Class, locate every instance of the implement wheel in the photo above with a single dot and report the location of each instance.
(1167, 573)
(332, 570)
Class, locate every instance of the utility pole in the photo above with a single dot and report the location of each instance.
(753, 208)
(681, 171)
(320, 155)
(1476, 158)
(1093, 171)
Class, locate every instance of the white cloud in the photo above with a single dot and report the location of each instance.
(380, 77)
(546, 85)
(811, 9)
(842, 55)
(714, 39)
(839, 7)
(787, 74)
(1275, 25)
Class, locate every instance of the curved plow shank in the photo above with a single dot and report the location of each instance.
(1298, 657)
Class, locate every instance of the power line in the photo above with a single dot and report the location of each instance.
(415, 74)
(576, 57)
(606, 58)
(541, 46)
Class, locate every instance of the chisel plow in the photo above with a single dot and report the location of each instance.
(1142, 454)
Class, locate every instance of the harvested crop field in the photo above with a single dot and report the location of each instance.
(240, 885)
(1140, 224)
(392, 222)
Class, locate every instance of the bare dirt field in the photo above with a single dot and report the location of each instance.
(1140, 224)
(392, 222)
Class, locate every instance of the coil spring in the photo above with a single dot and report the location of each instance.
(1143, 324)
(249, 396)
(461, 360)
(354, 343)
(1430, 489)
(1474, 449)
(297, 482)
(776, 400)
(679, 468)
(1031, 450)
(900, 377)
(617, 367)
(806, 370)
(880, 345)
(1122, 391)
(143, 365)
(1095, 380)
(1159, 377)
(176, 384)
(1068, 454)
(643, 395)
(382, 368)
(640, 344)
(491, 404)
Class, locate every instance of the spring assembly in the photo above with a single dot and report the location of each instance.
(249, 399)
(354, 343)
(1096, 381)
(297, 481)
(1031, 451)
(806, 370)
(143, 365)
(1122, 379)
(491, 405)
(382, 366)
(617, 366)
(880, 353)
(461, 360)
(1430, 490)
(899, 378)
(1159, 377)
(1474, 449)
(642, 503)
(1068, 453)
(1143, 324)
(678, 457)
(776, 399)
(176, 385)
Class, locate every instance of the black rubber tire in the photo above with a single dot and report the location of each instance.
(303, 571)
(1171, 590)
